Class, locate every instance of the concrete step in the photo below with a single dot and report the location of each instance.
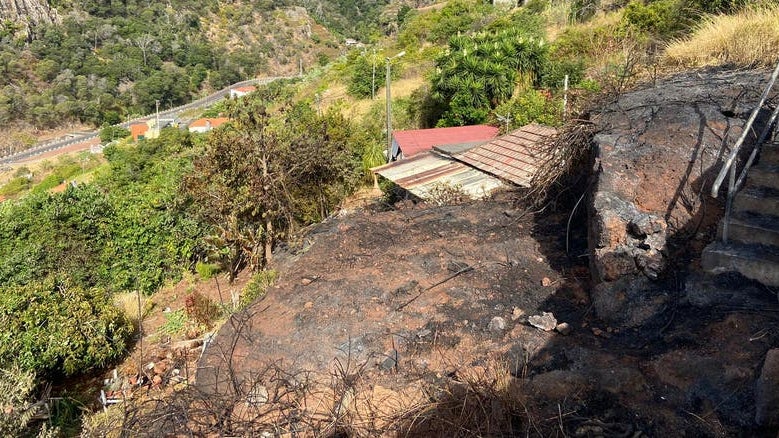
(748, 227)
(758, 262)
(764, 175)
(762, 200)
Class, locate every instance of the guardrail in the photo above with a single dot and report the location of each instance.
(70, 139)
(729, 168)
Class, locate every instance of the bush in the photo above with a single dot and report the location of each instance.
(531, 106)
(207, 271)
(18, 410)
(200, 309)
(257, 287)
(50, 326)
(662, 18)
(111, 133)
(15, 186)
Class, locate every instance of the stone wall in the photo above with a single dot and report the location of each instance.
(657, 152)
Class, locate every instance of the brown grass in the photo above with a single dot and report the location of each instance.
(749, 38)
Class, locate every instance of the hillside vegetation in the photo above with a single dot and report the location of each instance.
(164, 208)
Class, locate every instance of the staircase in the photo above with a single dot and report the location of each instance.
(752, 246)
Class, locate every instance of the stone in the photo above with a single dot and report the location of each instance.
(306, 281)
(160, 368)
(156, 380)
(767, 391)
(258, 396)
(390, 361)
(188, 344)
(564, 328)
(546, 282)
(497, 325)
(308, 305)
(546, 321)
(517, 313)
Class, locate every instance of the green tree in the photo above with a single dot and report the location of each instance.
(478, 73)
(263, 175)
(110, 133)
(52, 326)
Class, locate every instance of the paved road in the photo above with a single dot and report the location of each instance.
(87, 138)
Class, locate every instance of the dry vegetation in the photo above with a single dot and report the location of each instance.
(747, 39)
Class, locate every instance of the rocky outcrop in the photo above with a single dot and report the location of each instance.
(28, 13)
(657, 152)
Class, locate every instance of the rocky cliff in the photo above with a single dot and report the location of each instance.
(28, 13)
(657, 153)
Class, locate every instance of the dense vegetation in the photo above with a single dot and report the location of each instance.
(108, 60)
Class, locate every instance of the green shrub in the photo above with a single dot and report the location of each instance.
(175, 322)
(111, 133)
(662, 18)
(15, 186)
(207, 271)
(18, 407)
(51, 326)
(531, 106)
(257, 287)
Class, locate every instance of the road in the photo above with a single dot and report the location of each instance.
(87, 139)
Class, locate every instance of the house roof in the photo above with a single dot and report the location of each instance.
(245, 89)
(204, 123)
(514, 157)
(137, 129)
(414, 141)
(424, 172)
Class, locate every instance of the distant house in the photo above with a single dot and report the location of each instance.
(149, 129)
(406, 144)
(241, 91)
(205, 125)
(138, 131)
(352, 43)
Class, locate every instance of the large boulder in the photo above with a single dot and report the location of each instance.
(767, 391)
(657, 151)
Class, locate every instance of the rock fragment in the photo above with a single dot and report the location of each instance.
(564, 328)
(546, 321)
(497, 325)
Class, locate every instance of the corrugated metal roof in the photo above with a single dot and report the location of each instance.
(514, 157)
(427, 171)
(414, 141)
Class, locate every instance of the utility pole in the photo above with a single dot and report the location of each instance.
(373, 75)
(157, 103)
(389, 107)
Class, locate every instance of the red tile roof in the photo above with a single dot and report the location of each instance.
(415, 141)
(204, 123)
(246, 89)
(514, 157)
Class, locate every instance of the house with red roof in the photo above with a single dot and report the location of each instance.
(406, 144)
(205, 125)
(138, 131)
(241, 91)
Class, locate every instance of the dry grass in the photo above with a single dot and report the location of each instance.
(749, 39)
(127, 302)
